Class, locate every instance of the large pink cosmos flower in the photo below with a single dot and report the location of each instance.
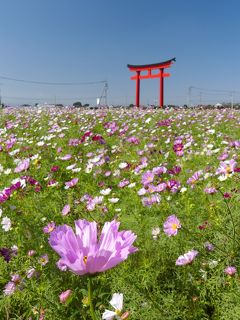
(83, 253)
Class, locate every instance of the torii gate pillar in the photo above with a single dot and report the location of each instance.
(161, 92)
(148, 68)
(138, 89)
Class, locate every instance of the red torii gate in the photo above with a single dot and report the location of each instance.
(149, 67)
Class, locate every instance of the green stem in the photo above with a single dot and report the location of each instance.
(232, 220)
(90, 291)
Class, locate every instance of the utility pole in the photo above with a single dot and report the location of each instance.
(104, 93)
(232, 98)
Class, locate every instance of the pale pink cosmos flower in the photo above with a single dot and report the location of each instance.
(187, 258)
(49, 228)
(147, 178)
(171, 226)
(66, 157)
(84, 253)
(9, 288)
(210, 190)
(43, 260)
(226, 167)
(66, 209)
(71, 183)
(22, 166)
(194, 178)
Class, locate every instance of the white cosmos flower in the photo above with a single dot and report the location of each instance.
(7, 171)
(40, 143)
(6, 224)
(117, 304)
(76, 170)
(123, 165)
(113, 200)
(71, 166)
(183, 189)
(106, 192)
(132, 185)
(222, 177)
(89, 168)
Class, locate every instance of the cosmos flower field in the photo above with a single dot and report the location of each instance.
(119, 214)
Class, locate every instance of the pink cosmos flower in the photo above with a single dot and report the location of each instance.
(178, 149)
(147, 178)
(210, 190)
(65, 295)
(171, 226)
(161, 187)
(226, 167)
(24, 165)
(230, 270)
(54, 168)
(187, 258)
(235, 144)
(66, 157)
(82, 252)
(173, 185)
(223, 156)
(43, 260)
(9, 288)
(194, 178)
(159, 170)
(66, 209)
(71, 183)
(149, 201)
(123, 183)
(49, 228)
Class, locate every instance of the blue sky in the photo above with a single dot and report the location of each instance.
(92, 40)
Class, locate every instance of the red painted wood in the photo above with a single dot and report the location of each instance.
(153, 76)
(161, 93)
(138, 89)
(161, 75)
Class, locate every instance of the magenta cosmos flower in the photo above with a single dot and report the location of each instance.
(83, 253)
(171, 226)
(187, 258)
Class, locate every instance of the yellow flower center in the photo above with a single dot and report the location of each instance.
(85, 259)
(174, 226)
(228, 169)
(118, 312)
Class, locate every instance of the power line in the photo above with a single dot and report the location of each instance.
(53, 83)
(214, 90)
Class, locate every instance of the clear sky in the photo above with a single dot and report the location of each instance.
(92, 40)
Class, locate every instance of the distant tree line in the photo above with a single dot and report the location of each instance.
(78, 104)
